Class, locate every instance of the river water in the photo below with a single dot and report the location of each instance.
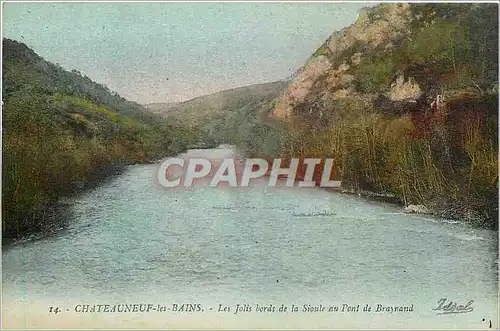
(129, 241)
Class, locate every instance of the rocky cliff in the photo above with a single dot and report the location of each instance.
(395, 53)
(406, 100)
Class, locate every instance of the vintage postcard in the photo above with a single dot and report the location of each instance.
(250, 165)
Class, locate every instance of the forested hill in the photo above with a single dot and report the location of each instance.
(231, 116)
(62, 132)
(25, 71)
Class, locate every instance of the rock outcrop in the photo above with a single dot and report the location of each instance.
(416, 209)
(330, 72)
(406, 101)
(404, 90)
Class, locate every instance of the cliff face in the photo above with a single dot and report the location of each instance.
(395, 53)
(406, 101)
(327, 75)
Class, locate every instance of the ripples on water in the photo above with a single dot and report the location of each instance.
(129, 239)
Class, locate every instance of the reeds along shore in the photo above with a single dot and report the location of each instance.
(63, 132)
(446, 159)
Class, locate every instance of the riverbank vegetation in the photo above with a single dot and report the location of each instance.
(449, 165)
(62, 132)
(445, 155)
(407, 148)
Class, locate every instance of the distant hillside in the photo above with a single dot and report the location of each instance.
(62, 132)
(25, 71)
(232, 116)
(201, 111)
(160, 107)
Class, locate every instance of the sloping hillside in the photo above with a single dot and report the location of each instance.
(232, 116)
(61, 132)
(399, 53)
(200, 111)
(160, 107)
(406, 100)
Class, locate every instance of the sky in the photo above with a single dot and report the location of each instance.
(170, 52)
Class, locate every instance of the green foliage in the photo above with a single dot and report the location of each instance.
(446, 159)
(375, 73)
(443, 42)
(456, 43)
(57, 137)
(452, 166)
(233, 117)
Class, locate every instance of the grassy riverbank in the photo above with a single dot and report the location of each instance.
(62, 132)
(375, 107)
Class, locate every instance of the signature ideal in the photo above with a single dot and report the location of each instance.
(446, 306)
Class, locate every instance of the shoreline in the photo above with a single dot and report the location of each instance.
(56, 210)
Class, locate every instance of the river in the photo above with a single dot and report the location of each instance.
(129, 241)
